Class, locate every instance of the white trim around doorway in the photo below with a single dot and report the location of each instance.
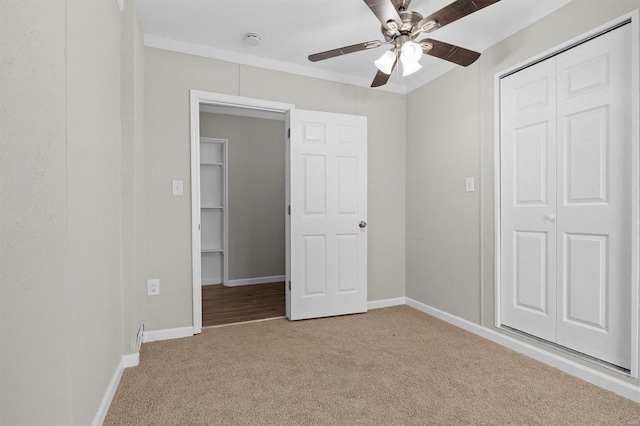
(197, 98)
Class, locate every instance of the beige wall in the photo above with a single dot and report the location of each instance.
(443, 221)
(132, 176)
(61, 293)
(34, 381)
(94, 292)
(168, 78)
(256, 169)
(473, 215)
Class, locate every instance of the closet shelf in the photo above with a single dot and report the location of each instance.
(212, 251)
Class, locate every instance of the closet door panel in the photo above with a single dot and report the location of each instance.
(528, 181)
(594, 194)
(586, 169)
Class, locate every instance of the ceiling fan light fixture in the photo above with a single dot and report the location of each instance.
(386, 61)
(411, 52)
(409, 68)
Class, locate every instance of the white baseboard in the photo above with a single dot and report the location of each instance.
(130, 360)
(259, 280)
(213, 281)
(386, 303)
(167, 334)
(620, 387)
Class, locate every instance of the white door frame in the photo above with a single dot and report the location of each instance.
(198, 97)
(630, 19)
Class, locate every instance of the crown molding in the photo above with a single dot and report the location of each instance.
(259, 62)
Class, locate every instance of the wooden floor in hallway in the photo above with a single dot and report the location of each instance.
(228, 305)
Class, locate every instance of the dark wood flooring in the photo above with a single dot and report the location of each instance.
(227, 305)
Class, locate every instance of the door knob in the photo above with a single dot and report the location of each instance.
(550, 217)
(362, 224)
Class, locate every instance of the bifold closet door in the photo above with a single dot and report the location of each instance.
(566, 207)
(594, 197)
(528, 199)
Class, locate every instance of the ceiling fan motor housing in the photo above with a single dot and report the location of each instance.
(409, 21)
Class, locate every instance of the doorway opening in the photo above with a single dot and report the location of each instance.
(242, 197)
(238, 272)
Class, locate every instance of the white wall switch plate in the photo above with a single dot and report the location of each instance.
(469, 184)
(153, 287)
(177, 187)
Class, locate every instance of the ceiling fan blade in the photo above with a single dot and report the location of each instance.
(344, 50)
(456, 10)
(381, 78)
(385, 11)
(449, 52)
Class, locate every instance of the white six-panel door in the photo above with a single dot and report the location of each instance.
(594, 197)
(528, 136)
(328, 238)
(566, 225)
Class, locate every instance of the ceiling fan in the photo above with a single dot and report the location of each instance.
(400, 27)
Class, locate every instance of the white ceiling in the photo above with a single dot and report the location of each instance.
(293, 29)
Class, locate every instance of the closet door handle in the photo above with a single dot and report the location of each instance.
(550, 217)
(363, 224)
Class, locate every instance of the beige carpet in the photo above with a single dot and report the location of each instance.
(390, 366)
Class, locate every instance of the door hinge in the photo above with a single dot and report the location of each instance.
(289, 209)
(198, 227)
(289, 133)
(289, 285)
